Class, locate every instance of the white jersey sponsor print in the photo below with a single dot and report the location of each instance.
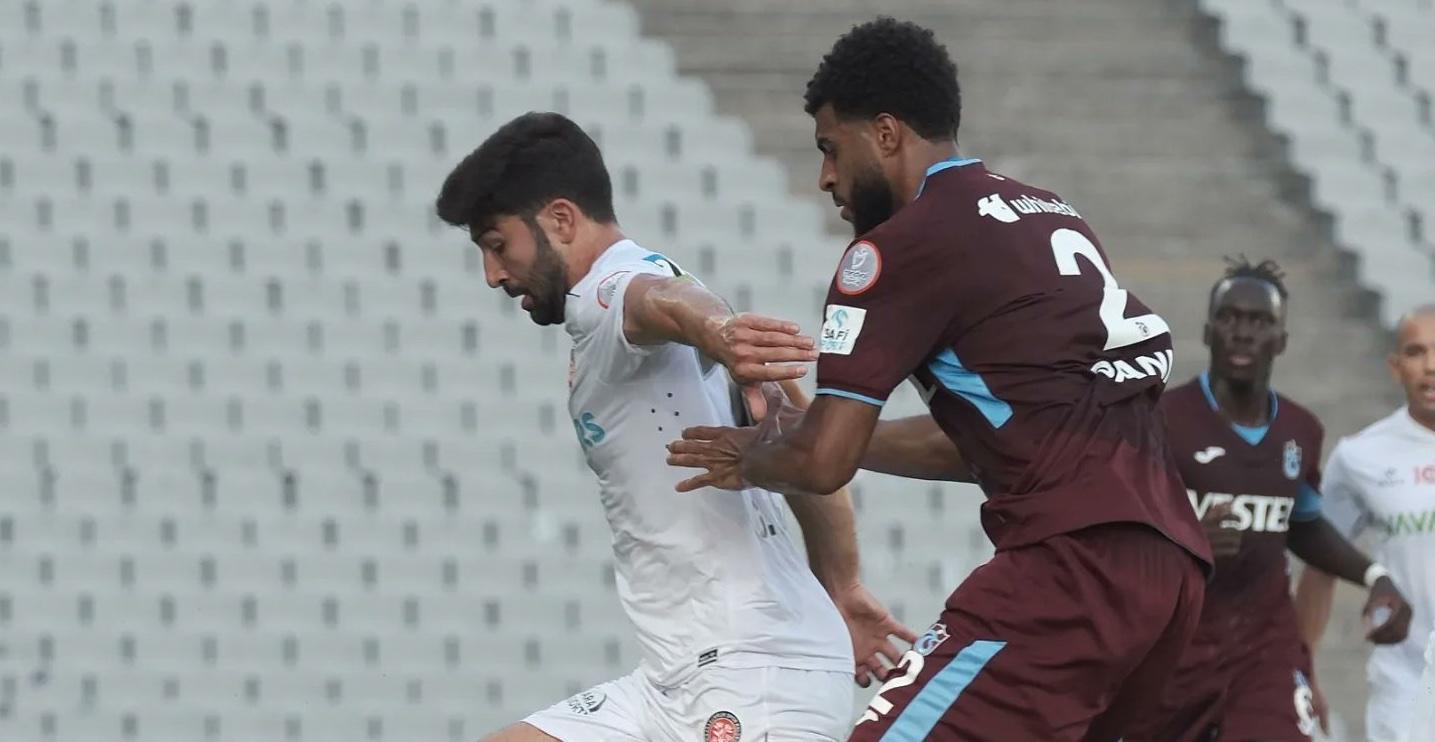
(707, 577)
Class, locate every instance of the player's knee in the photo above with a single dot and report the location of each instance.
(520, 732)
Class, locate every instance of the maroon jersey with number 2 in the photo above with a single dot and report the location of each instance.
(996, 299)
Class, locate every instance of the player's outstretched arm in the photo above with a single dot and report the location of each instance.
(660, 309)
(829, 529)
(915, 447)
(818, 456)
(1319, 545)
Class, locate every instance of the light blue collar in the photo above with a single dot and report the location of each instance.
(1252, 434)
(946, 164)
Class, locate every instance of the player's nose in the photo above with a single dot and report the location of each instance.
(493, 272)
(827, 178)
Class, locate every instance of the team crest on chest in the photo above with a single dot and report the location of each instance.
(722, 727)
(1291, 460)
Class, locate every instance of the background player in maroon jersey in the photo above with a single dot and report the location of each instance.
(1250, 459)
(995, 297)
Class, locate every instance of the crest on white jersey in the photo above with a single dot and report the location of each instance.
(1291, 461)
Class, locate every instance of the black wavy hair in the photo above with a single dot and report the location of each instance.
(1267, 270)
(523, 166)
(890, 66)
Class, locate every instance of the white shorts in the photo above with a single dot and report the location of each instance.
(719, 704)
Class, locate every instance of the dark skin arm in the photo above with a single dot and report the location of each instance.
(1318, 544)
(916, 448)
(817, 456)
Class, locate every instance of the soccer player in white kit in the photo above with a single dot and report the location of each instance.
(1383, 478)
(739, 638)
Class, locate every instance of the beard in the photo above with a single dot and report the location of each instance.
(547, 285)
(872, 201)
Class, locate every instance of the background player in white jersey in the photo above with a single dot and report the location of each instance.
(1383, 478)
(739, 638)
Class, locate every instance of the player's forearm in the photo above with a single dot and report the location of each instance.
(780, 466)
(1318, 544)
(1313, 597)
(915, 447)
(829, 529)
(674, 311)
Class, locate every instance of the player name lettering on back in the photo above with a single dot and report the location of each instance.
(1259, 513)
(1034, 205)
(1140, 367)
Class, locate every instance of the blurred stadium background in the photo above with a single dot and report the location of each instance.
(276, 465)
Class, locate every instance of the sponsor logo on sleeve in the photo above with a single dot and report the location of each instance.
(608, 287)
(722, 727)
(1291, 460)
(860, 267)
(996, 208)
(840, 328)
(588, 702)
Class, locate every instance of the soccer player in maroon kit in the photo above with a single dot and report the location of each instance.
(1250, 459)
(1042, 377)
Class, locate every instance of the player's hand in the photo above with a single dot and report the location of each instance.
(1387, 615)
(1225, 542)
(755, 349)
(718, 450)
(872, 628)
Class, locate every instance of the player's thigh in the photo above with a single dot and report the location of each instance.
(1271, 699)
(1192, 704)
(613, 711)
(776, 704)
(1038, 642)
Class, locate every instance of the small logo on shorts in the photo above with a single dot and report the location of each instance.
(707, 658)
(928, 642)
(1304, 704)
(588, 702)
(722, 727)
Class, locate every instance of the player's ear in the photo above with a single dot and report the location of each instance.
(1206, 333)
(562, 217)
(887, 134)
(1392, 361)
(1281, 342)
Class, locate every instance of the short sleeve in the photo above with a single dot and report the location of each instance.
(887, 309)
(597, 326)
(1343, 504)
(1308, 505)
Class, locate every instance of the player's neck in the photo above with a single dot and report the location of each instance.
(1425, 421)
(923, 156)
(589, 247)
(1242, 403)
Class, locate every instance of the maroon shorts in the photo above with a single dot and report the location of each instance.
(1231, 689)
(1067, 639)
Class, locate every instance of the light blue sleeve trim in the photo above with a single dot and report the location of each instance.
(1307, 504)
(853, 395)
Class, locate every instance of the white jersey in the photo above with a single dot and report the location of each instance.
(707, 577)
(1383, 479)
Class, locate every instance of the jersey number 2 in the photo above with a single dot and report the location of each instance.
(911, 666)
(1121, 331)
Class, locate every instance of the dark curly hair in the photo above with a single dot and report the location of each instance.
(890, 66)
(1241, 267)
(527, 163)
